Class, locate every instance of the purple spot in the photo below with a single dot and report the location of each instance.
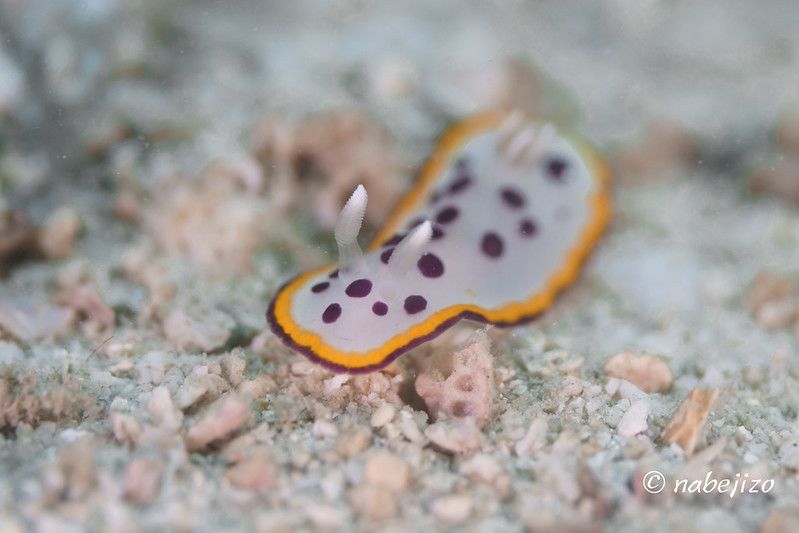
(359, 288)
(331, 314)
(379, 308)
(394, 240)
(492, 244)
(386, 255)
(319, 287)
(556, 167)
(334, 274)
(460, 184)
(415, 304)
(430, 266)
(527, 228)
(437, 232)
(512, 197)
(447, 215)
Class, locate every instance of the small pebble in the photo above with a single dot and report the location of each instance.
(777, 314)
(142, 480)
(456, 436)
(353, 441)
(57, 236)
(535, 438)
(233, 368)
(223, 417)
(385, 469)
(688, 420)
(258, 473)
(163, 410)
(383, 415)
(126, 428)
(484, 468)
(324, 428)
(453, 509)
(373, 501)
(409, 428)
(633, 421)
(327, 517)
(647, 372)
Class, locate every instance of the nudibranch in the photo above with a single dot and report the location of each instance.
(500, 219)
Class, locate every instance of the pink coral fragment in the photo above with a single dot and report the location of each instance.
(461, 384)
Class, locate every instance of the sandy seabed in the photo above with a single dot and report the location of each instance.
(165, 166)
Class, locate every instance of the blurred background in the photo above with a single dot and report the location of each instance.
(202, 74)
(165, 165)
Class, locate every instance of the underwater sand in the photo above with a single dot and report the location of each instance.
(179, 158)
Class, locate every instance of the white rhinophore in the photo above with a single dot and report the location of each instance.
(510, 125)
(541, 143)
(347, 228)
(409, 249)
(508, 129)
(520, 143)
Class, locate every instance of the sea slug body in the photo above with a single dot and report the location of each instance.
(500, 219)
